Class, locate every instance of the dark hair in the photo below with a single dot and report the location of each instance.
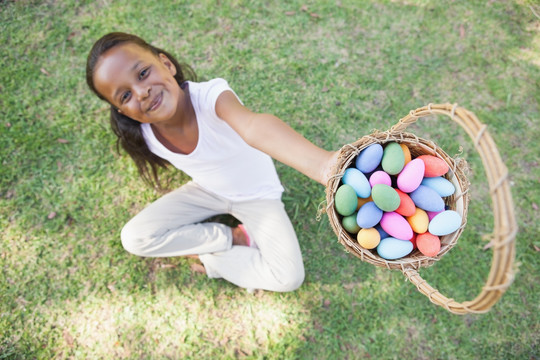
(127, 130)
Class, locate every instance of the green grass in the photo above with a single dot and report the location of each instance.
(334, 70)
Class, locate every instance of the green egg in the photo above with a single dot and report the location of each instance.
(385, 197)
(349, 223)
(393, 159)
(345, 200)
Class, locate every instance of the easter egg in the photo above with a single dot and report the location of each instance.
(369, 158)
(396, 226)
(368, 238)
(391, 248)
(383, 233)
(345, 200)
(393, 158)
(406, 205)
(428, 244)
(363, 201)
(369, 215)
(413, 240)
(411, 176)
(349, 224)
(406, 153)
(427, 199)
(434, 166)
(419, 221)
(432, 214)
(385, 197)
(358, 181)
(380, 177)
(445, 223)
(442, 186)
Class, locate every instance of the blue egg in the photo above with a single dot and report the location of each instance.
(442, 186)
(368, 215)
(358, 181)
(391, 248)
(369, 158)
(381, 231)
(445, 223)
(427, 199)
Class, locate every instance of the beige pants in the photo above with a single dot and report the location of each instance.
(171, 226)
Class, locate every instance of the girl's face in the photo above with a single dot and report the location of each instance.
(138, 83)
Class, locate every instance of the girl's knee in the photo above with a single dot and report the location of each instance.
(130, 239)
(295, 282)
(292, 280)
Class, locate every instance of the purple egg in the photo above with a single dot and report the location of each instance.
(432, 214)
(369, 215)
(427, 199)
(369, 158)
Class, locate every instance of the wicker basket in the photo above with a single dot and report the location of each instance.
(505, 228)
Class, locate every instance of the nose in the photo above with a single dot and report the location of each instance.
(142, 91)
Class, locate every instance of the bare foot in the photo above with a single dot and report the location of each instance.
(199, 268)
(239, 237)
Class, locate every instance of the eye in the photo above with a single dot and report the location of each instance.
(125, 97)
(144, 72)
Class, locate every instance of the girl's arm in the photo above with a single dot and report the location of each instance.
(277, 139)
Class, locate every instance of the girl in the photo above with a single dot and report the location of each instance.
(161, 118)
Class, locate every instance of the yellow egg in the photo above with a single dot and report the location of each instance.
(406, 152)
(368, 238)
(419, 221)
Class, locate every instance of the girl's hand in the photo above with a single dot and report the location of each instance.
(328, 167)
(272, 136)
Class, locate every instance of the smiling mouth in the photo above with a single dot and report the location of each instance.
(156, 102)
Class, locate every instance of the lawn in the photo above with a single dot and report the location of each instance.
(335, 71)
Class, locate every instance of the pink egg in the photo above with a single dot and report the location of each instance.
(380, 177)
(411, 176)
(396, 225)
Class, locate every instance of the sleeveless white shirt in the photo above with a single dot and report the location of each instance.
(222, 161)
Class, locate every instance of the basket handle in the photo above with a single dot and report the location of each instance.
(505, 228)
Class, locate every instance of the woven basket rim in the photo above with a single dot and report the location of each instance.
(418, 146)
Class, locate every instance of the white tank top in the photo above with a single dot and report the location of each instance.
(222, 161)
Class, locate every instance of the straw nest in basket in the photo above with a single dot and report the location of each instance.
(417, 146)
